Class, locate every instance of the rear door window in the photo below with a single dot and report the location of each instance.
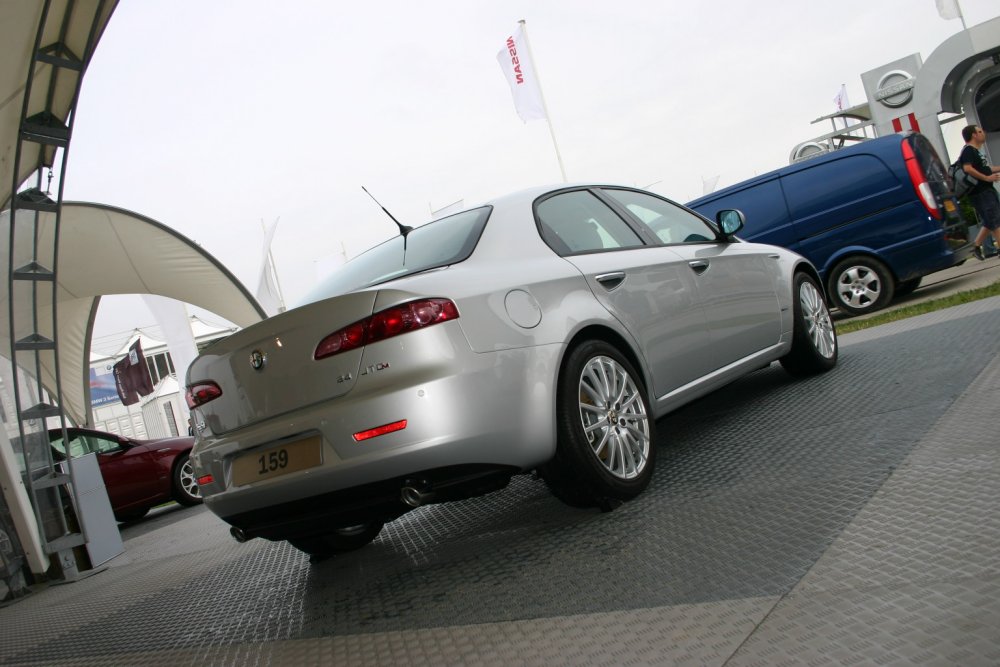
(577, 222)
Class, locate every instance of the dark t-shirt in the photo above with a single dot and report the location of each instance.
(971, 156)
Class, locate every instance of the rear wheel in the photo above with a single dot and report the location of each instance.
(186, 491)
(861, 285)
(604, 448)
(341, 540)
(814, 340)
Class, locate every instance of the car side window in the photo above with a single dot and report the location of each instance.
(578, 222)
(102, 445)
(669, 222)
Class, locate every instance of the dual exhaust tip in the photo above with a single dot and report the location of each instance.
(412, 494)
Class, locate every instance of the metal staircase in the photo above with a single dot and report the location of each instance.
(50, 95)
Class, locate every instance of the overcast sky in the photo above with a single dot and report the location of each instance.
(211, 116)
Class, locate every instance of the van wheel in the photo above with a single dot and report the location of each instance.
(814, 340)
(861, 285)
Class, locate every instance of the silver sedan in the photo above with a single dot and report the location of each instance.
(544, 331)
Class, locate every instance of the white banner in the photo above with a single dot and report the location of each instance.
(175, 325)
(520, 73)
(268, 292)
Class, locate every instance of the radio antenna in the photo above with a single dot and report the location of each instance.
(403, 229)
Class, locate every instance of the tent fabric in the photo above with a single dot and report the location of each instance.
(68, 24)
(106, 250)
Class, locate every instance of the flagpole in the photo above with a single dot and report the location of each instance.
(545, 108)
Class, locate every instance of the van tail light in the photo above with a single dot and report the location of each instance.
(387, 323)
(201, 393)
(920, 183)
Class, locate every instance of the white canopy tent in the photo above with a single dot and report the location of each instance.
(106, 250)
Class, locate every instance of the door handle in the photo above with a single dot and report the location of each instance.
(699, 266)
(610, 281)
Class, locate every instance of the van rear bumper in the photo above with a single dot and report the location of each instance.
(927, 254)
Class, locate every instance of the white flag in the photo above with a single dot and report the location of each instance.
(268, 291)
(708, 184)
(840, 101)
(175, 325)
(948, 9)
(520, 73)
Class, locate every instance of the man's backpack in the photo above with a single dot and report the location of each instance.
(962, 181)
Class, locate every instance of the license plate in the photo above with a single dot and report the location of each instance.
(949, 205)
(277, 461)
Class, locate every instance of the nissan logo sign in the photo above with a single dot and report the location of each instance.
(895, 88)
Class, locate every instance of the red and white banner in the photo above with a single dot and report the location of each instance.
(905, 123)
(520, 73)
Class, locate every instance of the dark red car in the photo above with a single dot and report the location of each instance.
(138, 474)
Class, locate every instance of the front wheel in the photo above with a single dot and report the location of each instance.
(814, 340)
(604, 448)
(186, 491)
(340, 540)
(861, 285)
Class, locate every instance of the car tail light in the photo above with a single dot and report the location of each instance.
(380, 430)
(201, 393)
(920, 183)
(205, 479)
(386, 324)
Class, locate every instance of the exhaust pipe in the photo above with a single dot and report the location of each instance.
(414, 496)
(238, 534)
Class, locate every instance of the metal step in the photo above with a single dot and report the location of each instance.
(35, 342)
(40, 411)
(64, 542)
(33, 199)
(56, 479)
(59, 55)
(45, 128)
(33, 271)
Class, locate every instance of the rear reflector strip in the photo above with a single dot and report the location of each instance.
(380, 430)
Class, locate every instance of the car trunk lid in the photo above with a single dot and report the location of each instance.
(268, 369)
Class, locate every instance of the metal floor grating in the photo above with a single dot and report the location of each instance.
(852, 518)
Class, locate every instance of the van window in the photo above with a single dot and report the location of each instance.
(670, 223)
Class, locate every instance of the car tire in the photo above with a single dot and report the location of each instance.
(907, 287)
(339, 541)
(186, 491)
(814, 339)
(604, 447)
(860, 285)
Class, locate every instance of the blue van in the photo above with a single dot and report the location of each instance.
(874, 217)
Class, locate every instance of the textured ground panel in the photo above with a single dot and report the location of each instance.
(846, 519)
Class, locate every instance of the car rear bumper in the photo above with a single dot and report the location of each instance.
(493, 417)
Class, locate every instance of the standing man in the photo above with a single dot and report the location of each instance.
(983, 196)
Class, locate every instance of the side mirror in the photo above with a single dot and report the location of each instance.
(730, 221)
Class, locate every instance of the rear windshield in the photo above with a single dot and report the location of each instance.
(930, 162)
(439, 243)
